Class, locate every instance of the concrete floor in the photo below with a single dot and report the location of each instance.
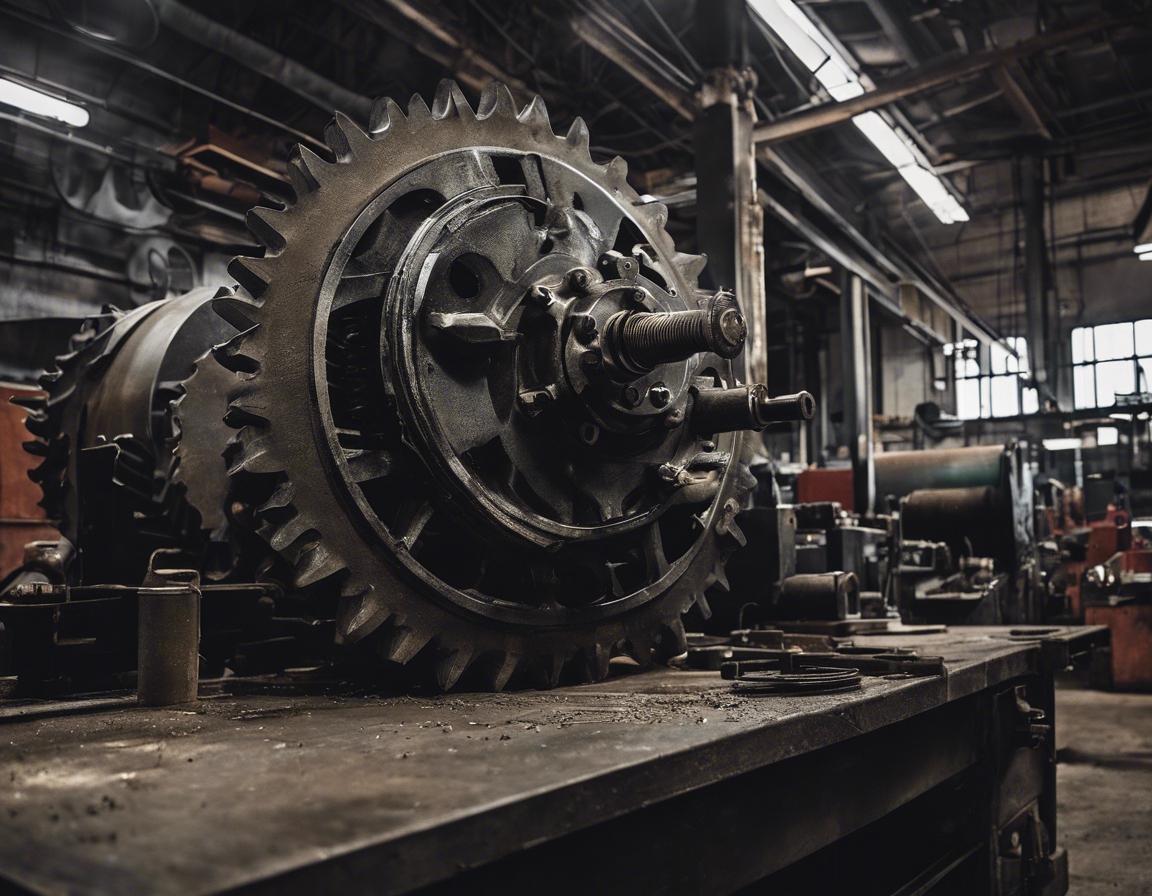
(1105, 790)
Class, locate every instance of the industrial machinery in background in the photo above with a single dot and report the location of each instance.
(469, 412)
(1098, 559)
(954, 543)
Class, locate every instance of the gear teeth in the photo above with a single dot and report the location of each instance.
(306, 170)
(502, 670)
(237, 309)
(50, 376)
(496, 100)
(254, 274)
(385, 114)
(255, 456)
(451, 666)
(39, 449)
(29, 402)
(596, 661)
(703, 606)
(578, 136)
(549, 668)
(535, 114)
(655, 214)
(266, 224)
(284, 535)
(402, 644)
(345, 138)
(450, 101)
(315, 564)
(230, 356)
(640, 651)
(418, 110)
(737, 534)
(617, 170)
(717, 578)
(690, 265)
(673, 640)
(281, 497)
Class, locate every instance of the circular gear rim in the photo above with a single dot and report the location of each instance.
(378, 597)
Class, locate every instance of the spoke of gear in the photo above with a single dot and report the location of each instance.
(466, 361)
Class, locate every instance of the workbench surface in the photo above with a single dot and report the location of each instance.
(281, 790)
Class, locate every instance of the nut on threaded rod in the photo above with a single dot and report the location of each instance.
(640, 341)
(747, 407)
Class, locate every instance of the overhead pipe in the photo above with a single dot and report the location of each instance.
(301, 80)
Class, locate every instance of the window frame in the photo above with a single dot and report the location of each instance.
(980, 364)
(1085, 370)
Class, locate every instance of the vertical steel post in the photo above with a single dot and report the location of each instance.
(1039, 327)
(856, 340)
(730, 222)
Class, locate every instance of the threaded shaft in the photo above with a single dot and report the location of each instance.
(642, 340)
(649, 340)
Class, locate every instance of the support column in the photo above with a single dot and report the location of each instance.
(856, 339)
(730, 222)
(1039, 327)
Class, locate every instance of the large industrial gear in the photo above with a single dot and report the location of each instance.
(104, 431)
(469, 362)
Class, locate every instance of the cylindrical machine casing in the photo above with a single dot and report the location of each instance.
(168, 659)
(828, 596)
(974, 521)
(900, 473)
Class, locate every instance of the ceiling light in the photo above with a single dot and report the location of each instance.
(837, 75)
(1143, 248)
(1145, 256)
(39, 103)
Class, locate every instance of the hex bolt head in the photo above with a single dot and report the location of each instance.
(590, 362)
(639, 296)
(632, 397)
(708, 445)
(660, 395)
(584, 328)
(579, 280)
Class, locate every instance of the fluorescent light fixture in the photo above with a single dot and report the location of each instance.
(1063, 444)
(1143, 248)
(1145, 256)
(42, 104)
(1107, 435)
(837, 75)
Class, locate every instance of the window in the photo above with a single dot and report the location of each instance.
(990, 382)
(1110, 360)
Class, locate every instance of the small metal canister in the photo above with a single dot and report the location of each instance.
(168, 658)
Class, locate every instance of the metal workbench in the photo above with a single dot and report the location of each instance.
(648, 782)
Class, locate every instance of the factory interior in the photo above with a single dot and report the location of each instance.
(571, 446)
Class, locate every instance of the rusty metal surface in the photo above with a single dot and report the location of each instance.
(281, 791)
(22, 519)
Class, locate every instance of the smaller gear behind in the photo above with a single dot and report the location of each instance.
(104, 433)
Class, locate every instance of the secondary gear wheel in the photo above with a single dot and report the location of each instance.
(104, 433)
(466, 370)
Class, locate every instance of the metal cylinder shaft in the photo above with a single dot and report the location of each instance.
(747, 407)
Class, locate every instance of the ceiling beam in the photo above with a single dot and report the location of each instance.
(469, 65)
(296, 77)
(916, 81)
